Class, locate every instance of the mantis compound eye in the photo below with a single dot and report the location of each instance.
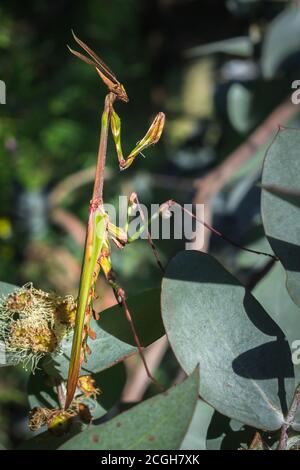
(121, 93)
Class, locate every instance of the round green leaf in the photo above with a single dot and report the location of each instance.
(281, 217)
(228, 434)
(212, 320)
(195, 438)
(47, 441)
(209, 430)
(281, 42)
(291, 196)
(250, 102)
(158, 423)
(240, 46)
(240, 107)
(6, 288)
(273, 296)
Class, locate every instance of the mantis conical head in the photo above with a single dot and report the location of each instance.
(106, 75)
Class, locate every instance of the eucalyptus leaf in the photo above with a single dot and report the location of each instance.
(250, 102)
(243, 7)
(281, 46)
(158, 423)
(195, 438)
(6, 289)
(209, 430)
(242, 114)
(47, 441)
(212, 320)
(290, 196)
(271, 292)
(281, 217)
(228, 434)
(240, 46)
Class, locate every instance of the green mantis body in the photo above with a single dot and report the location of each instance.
(97, 245)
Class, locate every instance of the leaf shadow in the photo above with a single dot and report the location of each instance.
(272, 360)
(230, 439)
(288, 253)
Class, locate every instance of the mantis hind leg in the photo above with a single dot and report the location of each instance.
(119, 292)
(134, 201)
(166, 206)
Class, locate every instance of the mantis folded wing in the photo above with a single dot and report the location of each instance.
(95, 243)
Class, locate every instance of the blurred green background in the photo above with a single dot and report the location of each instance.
(216, 68)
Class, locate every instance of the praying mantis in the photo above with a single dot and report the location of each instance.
(100, 230)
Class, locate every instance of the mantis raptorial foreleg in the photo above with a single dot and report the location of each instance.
(151, 137)
(121, 236)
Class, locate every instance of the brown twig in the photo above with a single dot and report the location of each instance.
(260, 274)
(208, 186)
(69, 184)
(257, 443)
(211, 184)
(59, 266)
(60, 394)
(70, 223)
(138, 379)
(289, 420)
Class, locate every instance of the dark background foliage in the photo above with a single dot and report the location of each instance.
(213, 98)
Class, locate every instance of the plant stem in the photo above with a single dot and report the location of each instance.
(60, 394)
(290, 418)
(99, 176)
(260, 274)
